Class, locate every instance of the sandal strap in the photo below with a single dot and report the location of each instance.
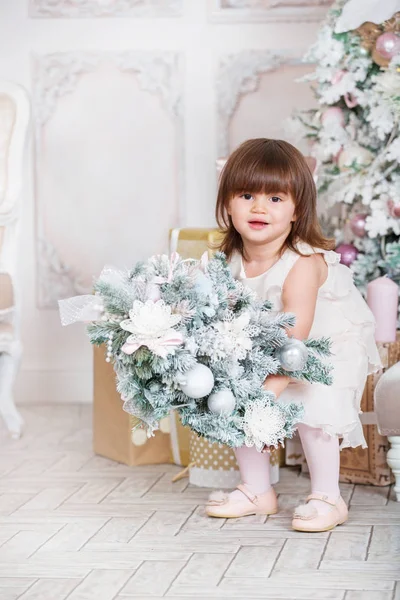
(322, 497)
(252, 497)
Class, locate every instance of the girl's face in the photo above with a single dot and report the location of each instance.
(262, 218)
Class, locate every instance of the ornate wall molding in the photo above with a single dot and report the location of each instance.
(268, 10)
(105, 8)
(58, 74)
(239, 74)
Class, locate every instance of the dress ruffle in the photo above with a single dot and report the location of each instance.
(347, 307)
(342, 315)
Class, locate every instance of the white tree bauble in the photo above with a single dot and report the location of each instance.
(354, 154)
(292, 355)
(222, 402)
(139, 437)
(198, 382)
(165, 425)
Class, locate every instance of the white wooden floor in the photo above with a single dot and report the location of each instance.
(77, 526)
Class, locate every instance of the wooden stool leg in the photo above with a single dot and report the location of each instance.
(393, 459)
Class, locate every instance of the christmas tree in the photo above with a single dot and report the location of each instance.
(354, 133)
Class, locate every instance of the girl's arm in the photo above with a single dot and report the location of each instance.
(299, 296)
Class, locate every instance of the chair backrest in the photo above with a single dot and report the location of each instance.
(14, 127)
(14, 124)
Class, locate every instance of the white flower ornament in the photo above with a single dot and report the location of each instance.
(151, 324)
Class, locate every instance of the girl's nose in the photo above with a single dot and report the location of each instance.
(258, 206)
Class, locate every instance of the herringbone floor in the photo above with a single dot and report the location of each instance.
(77, 526)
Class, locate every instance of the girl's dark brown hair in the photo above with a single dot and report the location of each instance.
(270, 166)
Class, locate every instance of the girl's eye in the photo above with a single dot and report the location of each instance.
(275, 199)
(246, 196)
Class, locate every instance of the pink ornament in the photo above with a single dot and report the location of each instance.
(333, 115)
(394, 209)
(383, 299)
(348, 253)
(338, 76)
(357, 225)
(388, 45)
(351, 100)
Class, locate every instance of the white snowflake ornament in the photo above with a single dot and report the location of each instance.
(264, 424)
(235, 335)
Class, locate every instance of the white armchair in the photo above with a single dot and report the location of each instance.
(14, 127)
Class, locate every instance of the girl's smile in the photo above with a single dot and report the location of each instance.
(257, 224)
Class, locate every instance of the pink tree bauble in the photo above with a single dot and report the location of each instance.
(348, 254)
(394, 209)
(333, 115)
(388, 45)
(350, 100)
(357, 225)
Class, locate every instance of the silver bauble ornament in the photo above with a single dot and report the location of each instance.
(292, 355)
(196, 383)
(222, 402)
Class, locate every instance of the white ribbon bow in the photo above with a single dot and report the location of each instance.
(357, 12)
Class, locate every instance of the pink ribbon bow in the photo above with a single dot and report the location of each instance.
(160, 346)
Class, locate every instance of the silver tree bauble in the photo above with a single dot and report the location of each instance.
(292, 355)
(196, 383)
(222, 402)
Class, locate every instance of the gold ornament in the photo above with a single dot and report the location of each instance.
(369, 33)
(392, 24)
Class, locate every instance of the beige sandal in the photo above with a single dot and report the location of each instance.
(307, 518)
(221, 505)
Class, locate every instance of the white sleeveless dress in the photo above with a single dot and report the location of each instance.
(342, 315)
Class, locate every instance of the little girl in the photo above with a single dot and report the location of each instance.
(267, 207)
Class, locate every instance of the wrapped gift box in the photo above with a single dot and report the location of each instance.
(214, 465)
(114, 435)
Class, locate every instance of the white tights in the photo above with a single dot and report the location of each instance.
(323, 458)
